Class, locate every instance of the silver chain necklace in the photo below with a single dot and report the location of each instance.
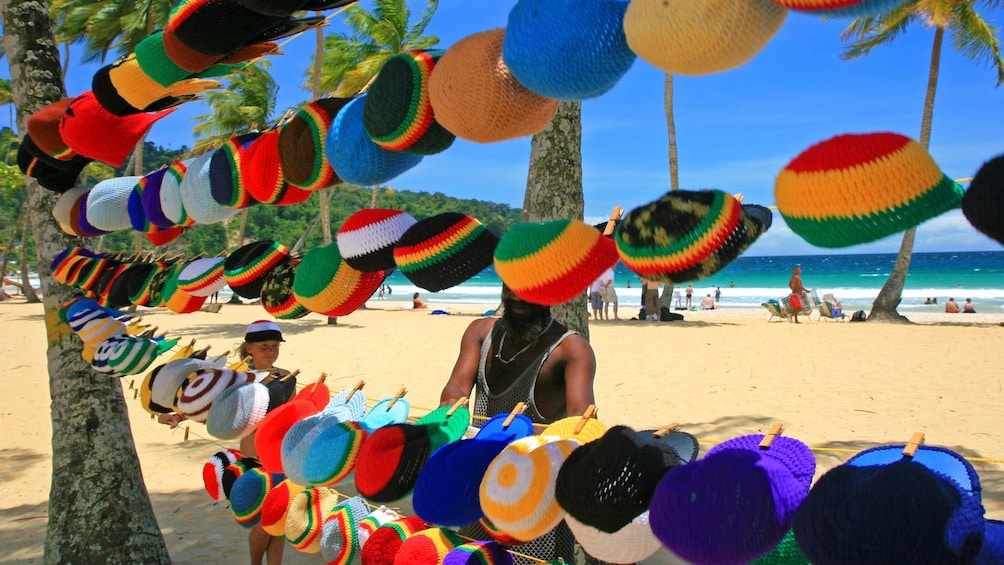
(498, 354)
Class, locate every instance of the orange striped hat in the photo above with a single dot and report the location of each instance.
(326, 284)
(550, 263)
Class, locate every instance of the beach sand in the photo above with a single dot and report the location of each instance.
(838, 387)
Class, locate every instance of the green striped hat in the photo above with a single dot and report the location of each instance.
(445, 250)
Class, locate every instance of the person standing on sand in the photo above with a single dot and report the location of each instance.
(608, 293)
(690, 293)
(797, 291)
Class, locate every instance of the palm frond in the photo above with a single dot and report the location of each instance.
(417, 30)
(976, 39)
(875, 31)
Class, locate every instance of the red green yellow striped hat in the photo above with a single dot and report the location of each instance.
(177, 300)
(301, 145)
(305, 518)
(397, 114)
(445, 250)
(428, 546)
(857, 188)
(262, 172)
(385, 541)
(687, 235)
(202, 277)
(245, 268)
(276, 505)
(550, 263)
(326, 284)
(277, 296)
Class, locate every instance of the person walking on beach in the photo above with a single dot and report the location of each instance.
(650, 292)
(595, 300)
(951, 307)
(526, 356)
(608, 293)
(797, 292)
(718, 294)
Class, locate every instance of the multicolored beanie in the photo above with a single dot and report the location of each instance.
(276, 506)
(427, 546)
(150, 197)
(398, 115)
(444, 250)
(340, 532)
(170, 193)
(541, 34)
(549, 263)
(354, 156)
(331, 456)
(202, 277)
(197, 394)
(476, 97)
(326, 284)
(374, 520)
(385, 541)
(366, 239)
(85, 116)
(384, 467)
(247, 495)
(983, 202)
(302, 143)
(177, 300)
(478, 553)
(226, 180)
(263, 176)
(244, 269)
(296, 443)
(842, 8)
(273, 428)
(212, 472)
(699, 38)
(687, 235)
(305, 518)
(857, 188)
(277, 297)
(159, 390)
(233, 471)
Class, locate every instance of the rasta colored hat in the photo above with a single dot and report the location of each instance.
(305, 518)
(332, 455)
(687, 235)
(354, 156)
(277, 296)
(476, 97)
(698, 38)
(389, 461)
(245, 268)
(226, 182)
(273, 428)
(275, 506)
(841, 8)
(196, 194)
(632, 543)
(857, 188)
(85, 116)
(234, 471)
(179, 301)
(607, 483)
(427, 546)
(263, 330)
(202, 277)
(549, 263)
(48, 176)
(366, 239)
(212, 472)
(478, 553)
(247, 495)
(108, 203)
(385, 541)
(541, 34)
(374, 520)
(261, 170)
(238, 410)
(444, 250)
(326, 284)
(983, 202)
(340, 532)
(398, 115)
(517, 492)
(302, 141)
(170, 193)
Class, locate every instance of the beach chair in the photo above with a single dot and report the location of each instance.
(775, 311)
(807, 306)
(827, 309)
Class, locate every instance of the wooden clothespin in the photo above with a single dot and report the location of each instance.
(774, 431)
(612, 222)
(131, 383)
(590, 410)
(665, 429)
(246, 360)
(359, 386)
(460, 402)
(135, 394)
(202, 351)
(518, 409)
(914, 444)
(187, 429)
(320, 380)
(289, 376)
(403, 391)
(739, 197)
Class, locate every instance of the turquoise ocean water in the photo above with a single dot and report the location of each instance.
(854, 279)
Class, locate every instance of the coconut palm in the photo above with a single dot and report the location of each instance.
(973, 37)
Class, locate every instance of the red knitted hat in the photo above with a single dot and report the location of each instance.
(262, 173)
(43, 127)
(384, 543)
(273, 510)
(92, 131)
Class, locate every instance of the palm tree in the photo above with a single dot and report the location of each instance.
(974, 38)
(96, 477)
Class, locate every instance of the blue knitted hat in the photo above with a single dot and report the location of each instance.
(247, 495)
(331, 456)
(447, 490)
(355, 157)
(567, 49)
(296, 443)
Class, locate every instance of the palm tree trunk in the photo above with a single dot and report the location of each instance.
(888, 299)
(375, 196)
(99, 509)
(666, 299)
(26, 288)
(554, 190)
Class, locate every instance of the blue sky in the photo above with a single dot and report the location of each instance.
(735, 130)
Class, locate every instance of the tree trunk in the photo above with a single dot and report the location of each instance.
(375, 196)
(888, 299)
(674, 161)
(22, 217)
(26, 288)
(99, 509)
(554, 190)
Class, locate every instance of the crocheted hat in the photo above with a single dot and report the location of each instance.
(80, 222)
(374, 520)
(43, 133)
(159, 390)
(56, 180)
(244, 269)
(856, 188)
(549, 263)
(398, 115)
(179, 301)
(85, 116)
(382, 472)
(444, 250)
(354, 156)
(478, 553)
(226, 181)
(196, 194)
(841, 8)
(62, 210)
(573, 428)
(247, 495)
(196, 24)
(197, 394)
(262, 172)
(731, 506)
(277, 296)
(632, 543)
(427, 546)
(446, 425)
(233, 471)
(384, 413)
(339, 535)
(238, 410)
(297, 440)
(271, 430)
(384, 543)
(305, 518)
(275, 506)
(108, 203)
(475, 97)
(170, 194)
(139, 286)
(541, 34)
(686, 235)
(202, 277)
(790, 452)
(785, 553)
(150, 199)
(446, 492)
(332, 455)
(127, 354)
(302, 142)
(983, 202)
(326, 284)
(607, 483)
(118, 290)
(366, 239)
(517, 492)
(212, 472)
(699, 38)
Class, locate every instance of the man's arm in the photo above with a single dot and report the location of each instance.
(580, 369)
(465, 371)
